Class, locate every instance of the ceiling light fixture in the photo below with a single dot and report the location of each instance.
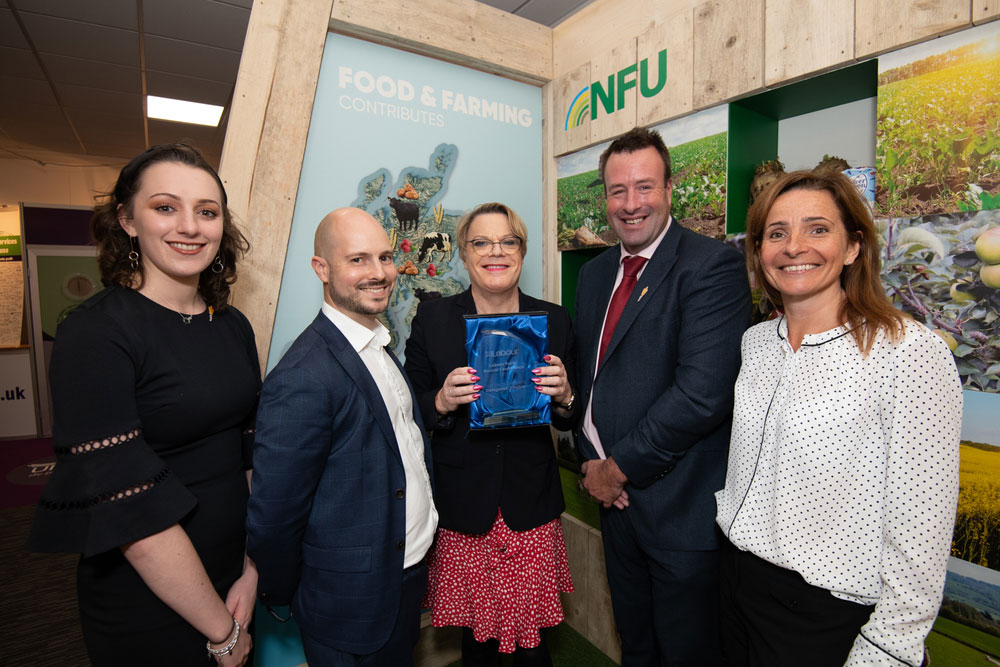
(182, 111)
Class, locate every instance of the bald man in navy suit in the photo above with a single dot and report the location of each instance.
(341, 513)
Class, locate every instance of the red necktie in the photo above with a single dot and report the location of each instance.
(633, 265)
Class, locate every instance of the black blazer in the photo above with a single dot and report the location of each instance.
(663, 397)
(475, 472)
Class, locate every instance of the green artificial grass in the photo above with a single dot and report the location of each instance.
(568, 648)
(578, 503)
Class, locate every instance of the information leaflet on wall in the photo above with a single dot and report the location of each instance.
(11, 291)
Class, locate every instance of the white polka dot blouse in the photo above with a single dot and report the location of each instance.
(844, 468)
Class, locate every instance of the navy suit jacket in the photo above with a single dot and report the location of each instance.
(326, 521)
(663, 397)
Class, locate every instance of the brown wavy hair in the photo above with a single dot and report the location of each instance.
(114, 244)
(866, 310)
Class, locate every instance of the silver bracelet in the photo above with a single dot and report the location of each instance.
(228, 648)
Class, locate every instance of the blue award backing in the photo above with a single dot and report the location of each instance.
(504, 349)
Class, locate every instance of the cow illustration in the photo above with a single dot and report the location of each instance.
(435, 241)
(407, 212)
(424, 295)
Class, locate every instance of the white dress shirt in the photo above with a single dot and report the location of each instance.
(588, 418)
(421, 515)
(844, 468)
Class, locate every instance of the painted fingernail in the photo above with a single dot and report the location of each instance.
(475, 396)
(536, 371)
(536, 380)
(474, 379)
(472, 371)
(477, 388)
(547, 357)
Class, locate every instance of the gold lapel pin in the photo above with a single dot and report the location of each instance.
(644, 290)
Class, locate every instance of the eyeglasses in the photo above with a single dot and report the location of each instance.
(509, 245)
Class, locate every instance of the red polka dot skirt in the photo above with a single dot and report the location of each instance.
(504, 585)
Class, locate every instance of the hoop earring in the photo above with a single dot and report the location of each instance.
(217, 265)
(133, 256)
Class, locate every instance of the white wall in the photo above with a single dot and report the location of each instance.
(23, 180)
(847, 131)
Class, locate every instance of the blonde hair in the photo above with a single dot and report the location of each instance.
(517, 226)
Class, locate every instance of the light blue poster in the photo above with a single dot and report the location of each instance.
(416, 142)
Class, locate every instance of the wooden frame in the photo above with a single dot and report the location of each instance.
(269, 120)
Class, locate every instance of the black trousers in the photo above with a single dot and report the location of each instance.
(665, 602)
(770, 617)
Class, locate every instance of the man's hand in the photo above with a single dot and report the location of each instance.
(605, 482)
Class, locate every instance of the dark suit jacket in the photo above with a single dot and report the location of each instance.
(326, 522)
(663, 398)
(476, 472)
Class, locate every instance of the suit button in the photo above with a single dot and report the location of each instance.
(400, 493)
(401, 545)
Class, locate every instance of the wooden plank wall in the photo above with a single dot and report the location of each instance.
(460, 31)
(265, 142)
(736, 48)
(718, 50)
(985, 10)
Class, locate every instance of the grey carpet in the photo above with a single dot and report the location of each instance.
(39, 622)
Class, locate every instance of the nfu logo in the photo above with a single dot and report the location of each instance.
(611, 97)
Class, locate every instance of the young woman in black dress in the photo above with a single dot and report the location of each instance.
(154, 388)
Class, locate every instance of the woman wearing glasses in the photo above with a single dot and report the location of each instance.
(499, 562)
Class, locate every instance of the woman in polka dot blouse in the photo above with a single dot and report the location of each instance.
(842, 482)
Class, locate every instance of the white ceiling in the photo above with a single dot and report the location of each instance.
(73, 72)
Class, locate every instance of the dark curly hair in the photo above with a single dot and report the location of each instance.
(114, 244)
(634, 140)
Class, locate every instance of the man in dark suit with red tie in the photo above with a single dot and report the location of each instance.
(658, 325)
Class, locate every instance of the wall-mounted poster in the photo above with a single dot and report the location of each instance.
(60, 279)
(415, 142)
(697, 145)
(967, 630)
(944, 270)
(11, 278)
(938, 139)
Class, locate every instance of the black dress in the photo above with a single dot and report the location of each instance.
(153, 426)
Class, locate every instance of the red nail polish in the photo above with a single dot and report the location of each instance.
(536, 371)
(536, 380)
(474, 379)
(477, 388)
(475, 396)
(547, 357)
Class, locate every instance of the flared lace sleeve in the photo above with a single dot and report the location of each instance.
(109, 486)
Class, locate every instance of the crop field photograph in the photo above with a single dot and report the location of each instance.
(697, 145)
(938, 129)
(944, 270)
(978, 519)
(967, 631)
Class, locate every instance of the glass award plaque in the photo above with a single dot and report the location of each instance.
(504, 349)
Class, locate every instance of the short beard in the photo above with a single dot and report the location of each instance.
(352, 302)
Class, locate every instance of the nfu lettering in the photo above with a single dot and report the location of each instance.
(610, 95)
